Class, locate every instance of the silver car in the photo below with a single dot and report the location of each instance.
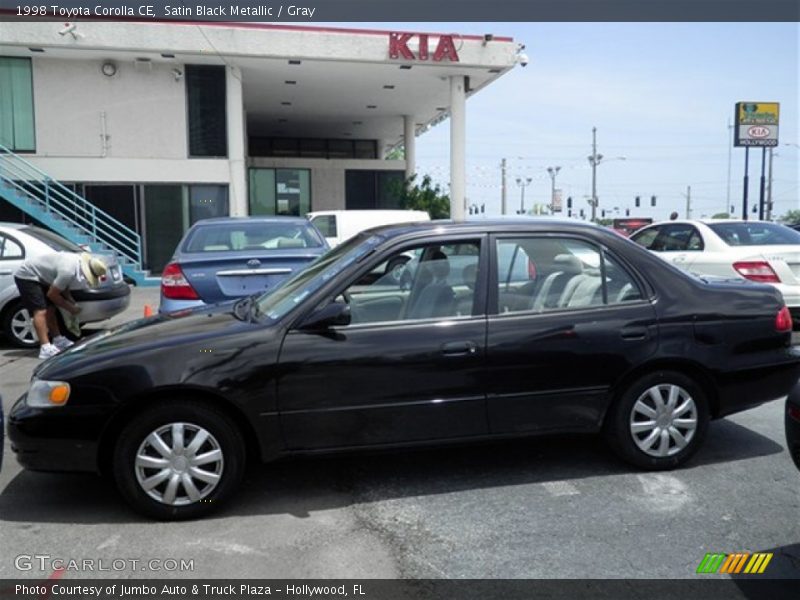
(18, 242)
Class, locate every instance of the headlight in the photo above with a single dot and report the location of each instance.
(46, 394)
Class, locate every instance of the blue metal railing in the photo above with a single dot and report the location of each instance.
(55, 198)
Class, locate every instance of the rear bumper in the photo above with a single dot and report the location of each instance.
(99, 305)
(793, 425)
(744, 389)
(167, 305)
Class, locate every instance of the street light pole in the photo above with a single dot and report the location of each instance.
(553, 171)
(594, 160)
(522, 184)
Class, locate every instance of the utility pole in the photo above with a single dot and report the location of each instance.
(503, 206)
(594, 160)
(553, 171)
(688, 202)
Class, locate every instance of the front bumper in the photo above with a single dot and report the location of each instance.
(792, 422)
(102, 304)
(56, 439)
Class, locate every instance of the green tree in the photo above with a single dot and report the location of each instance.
(398, 153)
(721, 216)
(425, 196)
(791, 218)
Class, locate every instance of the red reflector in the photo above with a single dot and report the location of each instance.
(794, 411)
(175, 286)
(756, 270)
(783, 320)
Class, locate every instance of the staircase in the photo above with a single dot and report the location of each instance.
(60, 209)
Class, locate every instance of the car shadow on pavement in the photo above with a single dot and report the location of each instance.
(301, 486)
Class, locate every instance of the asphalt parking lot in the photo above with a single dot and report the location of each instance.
(554, 507)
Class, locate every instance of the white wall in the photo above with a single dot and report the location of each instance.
(145, 110)
(327, 175)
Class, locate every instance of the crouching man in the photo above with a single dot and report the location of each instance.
(43, 283)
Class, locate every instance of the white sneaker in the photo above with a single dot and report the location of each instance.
(48, 351)
(62, 343)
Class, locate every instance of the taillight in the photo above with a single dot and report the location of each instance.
(794, 412)
(756, 270)
(174, 284)
(783, 320)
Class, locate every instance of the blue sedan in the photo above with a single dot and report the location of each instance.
(223, 259)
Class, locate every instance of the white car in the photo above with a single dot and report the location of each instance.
(18, 242)
(339, 225)
(755, 250)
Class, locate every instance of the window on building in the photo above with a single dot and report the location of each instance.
(205, 97)
(280, 192)
(373, 189)
(16, 105)
(207, 202)
(313, 148)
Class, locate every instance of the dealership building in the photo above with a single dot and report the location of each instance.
(157, 125)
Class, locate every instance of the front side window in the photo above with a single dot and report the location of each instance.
(431, 281)
(16, 105)
(551, 274)
(679, 238)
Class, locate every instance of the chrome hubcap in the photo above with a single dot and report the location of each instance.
(663, 420)
(179, 464)
(22, 326)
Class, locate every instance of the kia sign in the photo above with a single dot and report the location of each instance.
(403, 45)
(756, 124)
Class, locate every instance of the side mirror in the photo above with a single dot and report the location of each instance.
(335, 313)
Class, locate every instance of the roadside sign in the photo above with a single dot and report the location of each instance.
(757, 124)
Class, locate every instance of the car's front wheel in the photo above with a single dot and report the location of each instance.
(18, 328)
(659, 421)
(180, 460)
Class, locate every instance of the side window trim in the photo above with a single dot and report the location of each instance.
(4, 239)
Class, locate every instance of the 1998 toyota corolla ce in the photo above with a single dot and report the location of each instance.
(494, 329)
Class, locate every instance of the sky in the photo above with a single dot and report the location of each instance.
(660, 94)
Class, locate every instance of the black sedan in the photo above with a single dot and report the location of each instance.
(501, 329)
(793, 425)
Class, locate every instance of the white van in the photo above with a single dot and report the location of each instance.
(339, 225)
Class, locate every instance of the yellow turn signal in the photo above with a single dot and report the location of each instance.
(59, 393)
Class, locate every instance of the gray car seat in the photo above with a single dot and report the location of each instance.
(568, 266)
(437, 297)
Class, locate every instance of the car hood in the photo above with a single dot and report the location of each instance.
(181, 328)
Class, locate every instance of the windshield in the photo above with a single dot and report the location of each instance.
(54, 241)
(755, 234)
(243, 235)
(278, 302)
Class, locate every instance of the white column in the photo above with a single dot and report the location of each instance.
(457, 147)
(409, 145)
(237, 190)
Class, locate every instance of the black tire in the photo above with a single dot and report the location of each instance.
(13, 311)
(620, 420)
(225, 436)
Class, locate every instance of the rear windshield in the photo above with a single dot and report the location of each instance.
(755, 234)
(233, 237)
(53, 240)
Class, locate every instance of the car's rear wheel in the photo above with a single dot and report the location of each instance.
(659, 421)
(180, 460)
(18, 326)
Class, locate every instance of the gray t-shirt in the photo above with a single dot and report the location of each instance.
(54, 268)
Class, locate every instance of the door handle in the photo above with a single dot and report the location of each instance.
(633, 333)
(459, 348)
(680, 258)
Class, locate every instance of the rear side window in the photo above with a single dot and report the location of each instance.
(555, 274)
(326, 225)
(755, 234)
(10, 249)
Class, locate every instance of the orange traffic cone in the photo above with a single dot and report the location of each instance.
(148, 311)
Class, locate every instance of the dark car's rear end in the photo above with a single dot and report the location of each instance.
(793, 424)
(220, 260)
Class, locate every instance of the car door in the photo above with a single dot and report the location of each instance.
(11, 257)
(409, 367)
(559, 342)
